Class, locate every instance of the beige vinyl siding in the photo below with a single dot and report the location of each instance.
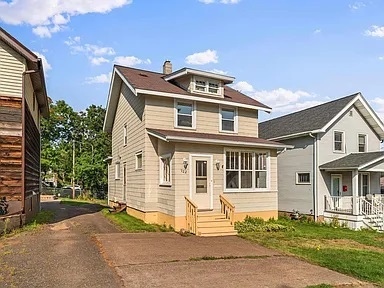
(129, 112)
(30, 98)
(160, 114)
(11, 69)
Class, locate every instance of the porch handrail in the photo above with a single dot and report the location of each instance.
(191, 215)
(228, 209)
(372, 210)
(340, 204)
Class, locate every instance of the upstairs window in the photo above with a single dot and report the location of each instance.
(185, 115)
(125, 135)
(362, 143)
(207, 86)
(338, 141)
(228, 120)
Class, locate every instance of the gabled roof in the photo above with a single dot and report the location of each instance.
(354, 161)
(143, 82)
(217, 139)
(185, 71)
(33, 63)
(318, 119)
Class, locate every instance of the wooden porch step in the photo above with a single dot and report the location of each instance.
(211, 223)
(216, 234)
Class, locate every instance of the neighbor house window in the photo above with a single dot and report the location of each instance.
(117, 170)
(338, 141)
(228, 120)
(207, 86)
(303, 178)
(185, 115)
(125, 135)
(139, 160)
(246, 170)
(165, 170)
(364, 184)
(362, 143)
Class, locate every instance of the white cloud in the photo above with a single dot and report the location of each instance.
(94, 53)
(356, 6)
(317, 31)
(381, 58)
(130, 61)
(100, 79)
(220, 1)
(52, 14)
(280, 100)
(380, 107)
(218, 71)
(375, 31)
(98, 60)
(202, 58)
(46, 65)
(243, 87)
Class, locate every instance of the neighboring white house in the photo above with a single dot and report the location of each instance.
(335, 167)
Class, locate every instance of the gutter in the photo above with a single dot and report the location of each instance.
(314, 175)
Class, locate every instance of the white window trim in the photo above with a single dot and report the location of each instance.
(117, 170)
(193, 114)
(207, 81)
(343, 142)
(137, 162)
(248, 190)
(303, 183)
(366, 142)
(361, 182)
(125, 135)
(161, 175)
(236, 123)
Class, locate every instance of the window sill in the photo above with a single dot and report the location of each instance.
(165, 184)
(303, 183)
(338, 152)
(117, 178)
(264, 190)
(228, 132)
(138, 169)
(184, 128)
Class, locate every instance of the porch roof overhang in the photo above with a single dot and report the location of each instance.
(217, 139)
(368, 161)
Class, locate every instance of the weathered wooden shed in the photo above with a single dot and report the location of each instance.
(23, 101)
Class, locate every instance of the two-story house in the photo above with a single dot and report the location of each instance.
(186, 152)
(23, 101)
(335, 166)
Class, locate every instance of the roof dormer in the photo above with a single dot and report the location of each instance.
(200, 82)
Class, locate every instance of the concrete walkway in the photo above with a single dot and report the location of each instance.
(83, 249)
(170, 260)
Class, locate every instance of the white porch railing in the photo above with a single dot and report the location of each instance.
(339, 204)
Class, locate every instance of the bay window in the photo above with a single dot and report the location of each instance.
(246, 171)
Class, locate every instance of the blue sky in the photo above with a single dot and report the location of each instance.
(288, 54)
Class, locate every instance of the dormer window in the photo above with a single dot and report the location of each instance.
(208, 86)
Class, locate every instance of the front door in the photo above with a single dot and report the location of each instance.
(201, 174)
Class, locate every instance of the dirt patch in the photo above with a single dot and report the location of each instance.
(345, 244)
(59, 227)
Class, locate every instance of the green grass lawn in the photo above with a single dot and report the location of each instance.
(356, 253)
(128, 223)
(81, 202)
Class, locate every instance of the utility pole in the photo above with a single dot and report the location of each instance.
(73, 169)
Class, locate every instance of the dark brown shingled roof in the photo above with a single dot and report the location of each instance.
(148, 80)
(220, 137)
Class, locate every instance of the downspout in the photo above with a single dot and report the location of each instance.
(314, 176)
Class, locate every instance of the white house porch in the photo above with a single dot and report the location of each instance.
(353, 184)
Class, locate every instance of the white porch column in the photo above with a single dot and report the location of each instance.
(355, 192)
